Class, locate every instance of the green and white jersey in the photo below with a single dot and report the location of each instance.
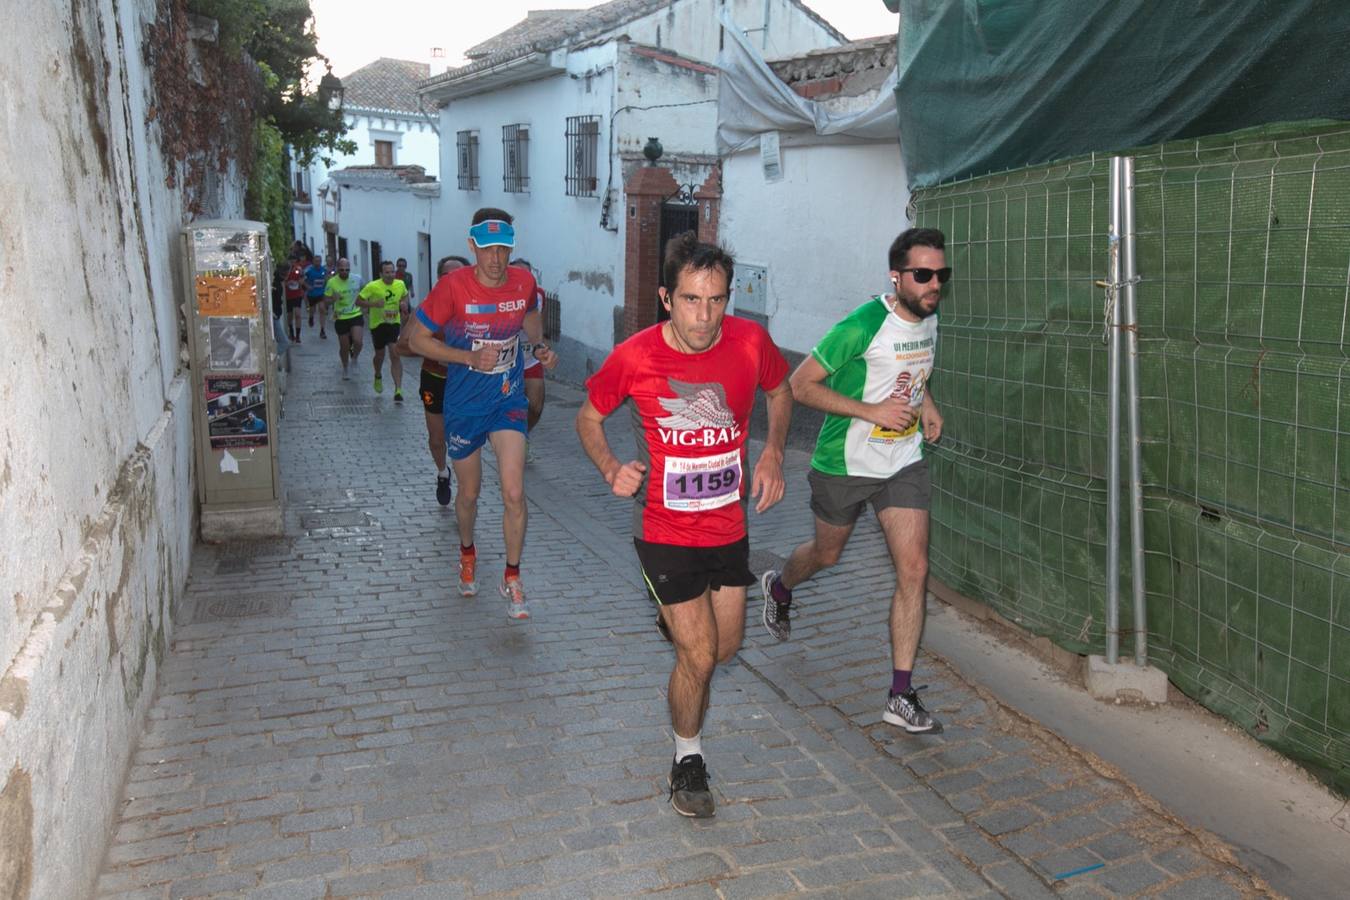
(873, 354)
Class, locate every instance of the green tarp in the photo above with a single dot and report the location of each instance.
(991, 85)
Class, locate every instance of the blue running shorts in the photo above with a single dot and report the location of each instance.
(465, 434)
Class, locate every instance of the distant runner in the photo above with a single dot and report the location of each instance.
(385, 301)
(348, 321)
(316, 279)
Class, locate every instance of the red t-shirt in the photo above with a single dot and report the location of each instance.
(694, 409)
(470, 315)
(295, 282)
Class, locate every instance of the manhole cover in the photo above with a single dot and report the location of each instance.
(246, 607)
(347, 408)
(341, 519)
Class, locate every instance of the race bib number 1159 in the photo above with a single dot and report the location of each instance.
(695, 484)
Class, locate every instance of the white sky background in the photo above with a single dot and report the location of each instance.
(352, 34)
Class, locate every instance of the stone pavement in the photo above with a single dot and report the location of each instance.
(334, 720)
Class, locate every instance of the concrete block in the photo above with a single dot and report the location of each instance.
(1125, 681)
(248, 523)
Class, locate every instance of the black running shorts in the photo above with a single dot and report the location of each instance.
(384, 334)
(432, 389)
(676, 574)
(342, 326)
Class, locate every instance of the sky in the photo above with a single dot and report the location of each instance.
(352, 34)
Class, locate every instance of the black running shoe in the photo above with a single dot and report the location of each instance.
(905, 710)
(777, 616)
(443, 490)
(689, 792)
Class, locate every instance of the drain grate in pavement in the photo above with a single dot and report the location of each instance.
(345, 408)
(234, 557)
(566, 404)
(348, 518)
(322, 496)
(245, 607)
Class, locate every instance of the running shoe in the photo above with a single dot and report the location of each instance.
(468, 581)
(905, 709)
(323, 335)
(398, 395)
(777, 616)
(689, 793)
(516, 605)
(379, 385)
(346, 376)
(443, 490)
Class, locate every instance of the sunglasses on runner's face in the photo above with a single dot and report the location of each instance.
(923, 276)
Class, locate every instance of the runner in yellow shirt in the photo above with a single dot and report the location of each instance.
(385, 301)
(348, 321)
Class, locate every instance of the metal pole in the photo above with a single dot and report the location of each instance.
(1113, 420)
(1132, 411)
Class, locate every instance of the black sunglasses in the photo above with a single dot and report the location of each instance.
(923, 276)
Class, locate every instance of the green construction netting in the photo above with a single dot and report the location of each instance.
(989, 85)
(1244, 259)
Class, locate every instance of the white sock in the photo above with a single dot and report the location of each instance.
(443, 473)
(688, 746)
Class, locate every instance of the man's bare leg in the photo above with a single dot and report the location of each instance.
(906, 532)
(820, 552)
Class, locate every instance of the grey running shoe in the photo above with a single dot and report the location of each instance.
(689, 792)
(777, 616)
(905, 710)
(517, 607)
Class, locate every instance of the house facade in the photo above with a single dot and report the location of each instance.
(550, 121)
(811, 223)
(390, 129)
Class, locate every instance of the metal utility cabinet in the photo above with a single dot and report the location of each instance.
(237, 403)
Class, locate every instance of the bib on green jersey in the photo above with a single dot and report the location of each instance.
(391, 294)
(870, 355)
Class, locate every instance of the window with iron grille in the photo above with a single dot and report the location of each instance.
(516, 158)
(467, 142)
(583, 148)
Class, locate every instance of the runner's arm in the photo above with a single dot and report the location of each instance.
(533, 326)
(809, 389)
(425, 345)
(930, 418)
(624, 478)
(768, 485)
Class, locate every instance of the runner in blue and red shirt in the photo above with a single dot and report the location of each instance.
(692, 381)
(481, 312)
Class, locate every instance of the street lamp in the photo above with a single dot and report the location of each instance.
(330, 91)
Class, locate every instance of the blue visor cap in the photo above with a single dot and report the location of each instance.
(493, 233)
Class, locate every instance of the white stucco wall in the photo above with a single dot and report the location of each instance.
(822, 232)
(392, 216)
(96, 499)
(692, 27)
(415, 144)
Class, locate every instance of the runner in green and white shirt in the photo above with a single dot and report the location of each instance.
(870, 375)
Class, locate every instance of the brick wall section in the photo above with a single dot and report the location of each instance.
(644, 193)
(709, 197)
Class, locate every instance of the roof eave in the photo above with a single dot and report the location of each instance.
(517, 70)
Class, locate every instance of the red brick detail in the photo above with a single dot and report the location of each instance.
(812, 89)
(643, 195)
(709, 197)
(673, 60)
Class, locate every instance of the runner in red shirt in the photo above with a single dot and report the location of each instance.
(692, 381)
(480, 313)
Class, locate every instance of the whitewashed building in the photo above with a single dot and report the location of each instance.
(814, 184)
(390, 129)
(549, 120)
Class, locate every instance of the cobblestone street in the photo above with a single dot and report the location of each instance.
(334, 720)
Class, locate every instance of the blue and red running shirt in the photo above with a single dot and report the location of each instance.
(695, 415)
(470, 316)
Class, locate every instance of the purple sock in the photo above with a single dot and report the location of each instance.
(780, 593)
(900, 681)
